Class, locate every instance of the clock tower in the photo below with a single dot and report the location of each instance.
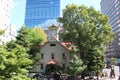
(53, 33)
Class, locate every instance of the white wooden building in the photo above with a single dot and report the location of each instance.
(52, 52)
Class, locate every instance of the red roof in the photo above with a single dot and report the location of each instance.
(67, 45)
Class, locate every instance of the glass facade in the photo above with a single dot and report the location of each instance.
(111, 8)
(39, 11)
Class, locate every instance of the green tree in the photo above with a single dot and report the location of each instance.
(14, 64)
(95, 61)
(75, 65)
(28, 37)
(36, 37)
(11, 45)
(2, 31)
(88, 29)
(42, 34)
(22, 37)
(113, 61)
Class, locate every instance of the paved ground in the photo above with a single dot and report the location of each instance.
(108, 78)
(116, 68)
(117, 74)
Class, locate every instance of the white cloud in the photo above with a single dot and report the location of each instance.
(49, 22)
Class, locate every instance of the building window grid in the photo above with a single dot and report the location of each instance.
(38, 7)
(112, 15)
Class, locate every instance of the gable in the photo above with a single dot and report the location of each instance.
(54, 46)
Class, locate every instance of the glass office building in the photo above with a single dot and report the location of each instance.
(39, 11)
(111, 8)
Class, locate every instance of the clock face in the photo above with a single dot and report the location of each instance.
(53, 32)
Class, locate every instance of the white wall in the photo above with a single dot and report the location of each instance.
(57, 50)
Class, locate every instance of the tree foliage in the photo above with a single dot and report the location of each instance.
(95, 61)
(14, 64)
(75, 65)
(42, 34)
(2, 31)
(30, 36)
(113, 61)
(88, 29)
(26, 43)
(36, 36)
(11, 45)
(22, 37)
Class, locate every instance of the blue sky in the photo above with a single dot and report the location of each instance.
(18, 12)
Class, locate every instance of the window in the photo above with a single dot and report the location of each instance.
(63, 65)
(63, 55)
(52, 56)
(41, 66)
(52, 44)
(42, 56)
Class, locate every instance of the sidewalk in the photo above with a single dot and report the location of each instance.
(117, 73)
(105, 78)
(116, 68)
(108, 78)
